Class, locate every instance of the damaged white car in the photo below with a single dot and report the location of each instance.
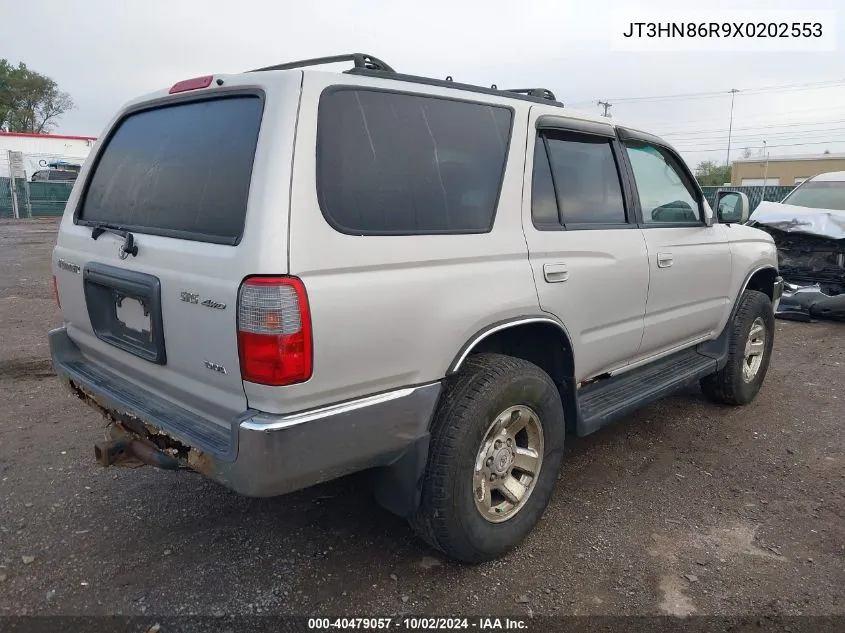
(808, 227)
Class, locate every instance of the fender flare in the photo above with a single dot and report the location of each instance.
(745, 283)
(493, 328)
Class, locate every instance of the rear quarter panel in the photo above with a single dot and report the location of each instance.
(392, 311)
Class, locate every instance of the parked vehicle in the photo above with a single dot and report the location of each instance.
(54, 175)
(322, 273)
(809, 231)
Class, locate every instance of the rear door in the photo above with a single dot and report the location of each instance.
(177, 174)
(586, 251)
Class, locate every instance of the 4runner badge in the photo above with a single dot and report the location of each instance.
(209, 303)
(193, 297)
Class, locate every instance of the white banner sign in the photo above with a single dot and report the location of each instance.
(42, 161)
(16, 165)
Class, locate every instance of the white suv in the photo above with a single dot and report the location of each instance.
(284, 276)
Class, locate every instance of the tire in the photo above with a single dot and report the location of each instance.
(731, 385)
(489, 391)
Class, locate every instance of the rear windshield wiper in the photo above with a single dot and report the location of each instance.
(129, 246)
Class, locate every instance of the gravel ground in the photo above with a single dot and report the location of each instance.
(685, 508)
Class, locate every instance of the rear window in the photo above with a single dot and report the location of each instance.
(181, 170)
(390, 163)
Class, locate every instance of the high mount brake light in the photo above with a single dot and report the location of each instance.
(192, 84)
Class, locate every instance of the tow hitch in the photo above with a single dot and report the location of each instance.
(132, 452)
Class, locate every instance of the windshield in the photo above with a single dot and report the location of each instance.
(819, 195)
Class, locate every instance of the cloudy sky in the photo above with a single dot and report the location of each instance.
(104, 53)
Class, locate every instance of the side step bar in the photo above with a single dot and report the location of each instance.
(607, 400)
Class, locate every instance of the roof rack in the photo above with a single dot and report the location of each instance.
(361, 60)
(539, 93)
(534, 95)
(368, 65)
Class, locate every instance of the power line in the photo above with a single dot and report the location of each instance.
(719, 149)
(748, 136)
(606, 107)
(765, 122)
(730, 126)
(698, 95)
(756, 127)
(819, 136)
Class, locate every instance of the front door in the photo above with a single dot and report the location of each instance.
(689, 261)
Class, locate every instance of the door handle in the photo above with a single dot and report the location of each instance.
(664, 260)
(555, 273)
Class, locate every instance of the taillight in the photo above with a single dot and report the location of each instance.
(274, 331)
(56, 292)
(192, 84)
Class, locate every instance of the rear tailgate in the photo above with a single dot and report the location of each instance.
(189, 176)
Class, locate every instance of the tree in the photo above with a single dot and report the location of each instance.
(746, 153)
(712, 174)
(29, 101)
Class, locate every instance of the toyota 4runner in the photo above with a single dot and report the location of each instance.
(281, 277)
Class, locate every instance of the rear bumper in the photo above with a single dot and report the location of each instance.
(260, 454)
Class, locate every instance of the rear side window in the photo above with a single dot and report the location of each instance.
(576, 182)
(586, 179)
(181, 170)
(544, 209)
(390, 163)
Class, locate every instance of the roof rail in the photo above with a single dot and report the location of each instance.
(360, 60)
(368, 65)
(539, 93)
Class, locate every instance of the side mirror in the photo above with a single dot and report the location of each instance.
(732, 207)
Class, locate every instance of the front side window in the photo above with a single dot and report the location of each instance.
(665, 195)
(578, 172)
(392, 163)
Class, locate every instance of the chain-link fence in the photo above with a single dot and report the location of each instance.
(755, 194)
(35, 185)
(8, 202)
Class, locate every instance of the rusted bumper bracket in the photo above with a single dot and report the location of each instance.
(132, 452)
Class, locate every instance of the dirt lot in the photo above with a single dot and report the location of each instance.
(686, 507)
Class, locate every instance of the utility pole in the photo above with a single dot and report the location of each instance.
(730, 126)
(606, 107)
(765, 172)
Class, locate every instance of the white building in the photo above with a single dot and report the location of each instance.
(39, 150)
